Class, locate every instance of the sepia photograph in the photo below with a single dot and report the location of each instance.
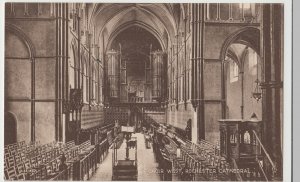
(99, 91)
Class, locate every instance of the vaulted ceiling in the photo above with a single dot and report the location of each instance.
(109, 19)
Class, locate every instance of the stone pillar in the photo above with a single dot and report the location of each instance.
(60, 70)
(272, 54)
(194, 127)
(197, 66)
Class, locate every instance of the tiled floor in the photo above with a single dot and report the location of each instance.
(146, 162)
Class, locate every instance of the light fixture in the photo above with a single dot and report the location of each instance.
(257, 91)
(256, 94)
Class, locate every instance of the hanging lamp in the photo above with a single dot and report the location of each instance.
(256, 94)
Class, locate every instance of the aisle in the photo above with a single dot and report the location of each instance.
(146, 162)
(104, 171)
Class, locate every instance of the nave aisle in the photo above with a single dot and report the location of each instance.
(146, 162)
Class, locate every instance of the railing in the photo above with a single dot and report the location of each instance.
(237, 175)
(164, 159)
(103, 150)
(262, 170)
(63, 175)
(274, 169)
(116, 144)
(136, 99)
(88, 165)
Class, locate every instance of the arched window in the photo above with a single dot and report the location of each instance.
(234, 71)
(253, 58)
(247, 138)
(73, 67)
(233, 138)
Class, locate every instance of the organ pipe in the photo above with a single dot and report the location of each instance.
(113, 73)
(157, 73)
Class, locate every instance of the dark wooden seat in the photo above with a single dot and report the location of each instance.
(11, 173)
(21, 168)
(21, 177)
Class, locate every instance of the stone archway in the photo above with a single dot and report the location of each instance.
(249, 37)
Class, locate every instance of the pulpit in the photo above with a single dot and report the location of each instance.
(239, 138)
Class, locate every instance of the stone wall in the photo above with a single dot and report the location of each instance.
(41, 66)
(30, 71)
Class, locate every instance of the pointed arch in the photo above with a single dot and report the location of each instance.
(25, 39)
(139, 24)
(237, 36)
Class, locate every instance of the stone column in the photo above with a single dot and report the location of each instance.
(197, 66)
(272, 54)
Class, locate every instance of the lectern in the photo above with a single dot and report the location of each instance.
(125, 169)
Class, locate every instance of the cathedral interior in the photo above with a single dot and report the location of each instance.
(143, 91)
